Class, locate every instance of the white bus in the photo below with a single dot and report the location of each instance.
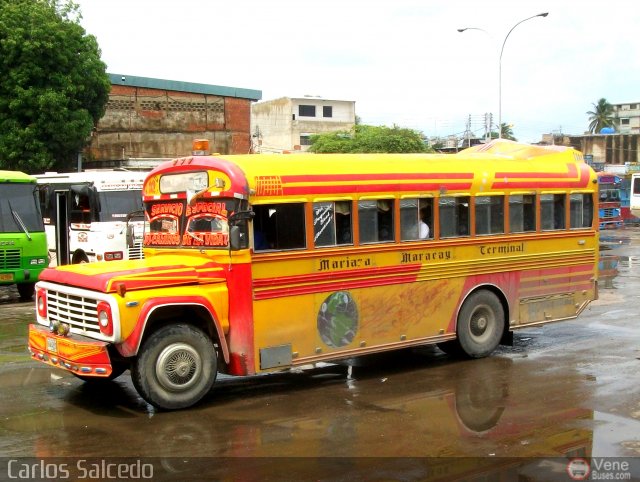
(97, 207)
(634, 196)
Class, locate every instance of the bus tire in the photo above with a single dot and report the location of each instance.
(175, 367)
(26, 290)
(79, 258)
(480, 324)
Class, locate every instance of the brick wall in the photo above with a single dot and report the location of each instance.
(155, 123)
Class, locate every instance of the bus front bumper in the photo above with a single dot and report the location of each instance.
(75, 354)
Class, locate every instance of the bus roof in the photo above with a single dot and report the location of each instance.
(500, 165)
(15, 176)
(102, 180)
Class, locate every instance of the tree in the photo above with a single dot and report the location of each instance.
(53, 87)
(366, 138)
(507, 132)
(601, 116)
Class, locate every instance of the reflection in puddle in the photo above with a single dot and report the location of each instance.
(607, 270)
(442, 407)
(615, 240)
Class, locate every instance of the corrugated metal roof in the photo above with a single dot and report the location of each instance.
(150, 83)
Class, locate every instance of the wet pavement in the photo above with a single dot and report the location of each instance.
(565, 390)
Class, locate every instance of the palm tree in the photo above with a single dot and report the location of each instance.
(601, 116)
(506, 130)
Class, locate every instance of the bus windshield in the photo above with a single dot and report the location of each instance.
(115, 205)
(174, 223)
(18, 208)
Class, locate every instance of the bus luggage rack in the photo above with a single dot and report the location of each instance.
(78, 312)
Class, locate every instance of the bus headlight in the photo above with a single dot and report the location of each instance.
(41, 302)
(105, 319)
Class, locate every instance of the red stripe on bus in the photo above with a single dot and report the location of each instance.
(331, 287)
(531, 283)
(314, 178)
(572, 171)
(367, 188)
(582, 181)
(336, 275)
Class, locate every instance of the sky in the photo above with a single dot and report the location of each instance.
(403, 62)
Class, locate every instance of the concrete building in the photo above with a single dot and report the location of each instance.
(153, 118)
(287, 123)
(600, 150)
(628, 116)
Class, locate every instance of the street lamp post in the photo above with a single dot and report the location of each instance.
(500, 63)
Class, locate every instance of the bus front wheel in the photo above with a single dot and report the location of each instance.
(480, 324)
(175, 367)
(26, 290)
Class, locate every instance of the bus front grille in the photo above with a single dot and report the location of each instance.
(9, 258)
(79, 312)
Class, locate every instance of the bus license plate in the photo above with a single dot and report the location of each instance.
(52, 345)
(6, 277)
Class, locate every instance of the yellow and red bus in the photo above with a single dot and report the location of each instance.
(260, 263)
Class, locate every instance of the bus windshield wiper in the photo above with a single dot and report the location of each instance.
(19, 222)
(197, 238)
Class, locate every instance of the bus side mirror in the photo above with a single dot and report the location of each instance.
(130, 233)
(130, 236)
(235, 238)
(241, 216)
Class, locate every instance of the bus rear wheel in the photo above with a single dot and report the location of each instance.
(175, 367)
(480, 324)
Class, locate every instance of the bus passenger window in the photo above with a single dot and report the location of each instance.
(80, 208)
(332, 223)
(552, 211)
(522, 213)
(489, 214)
(375, 220)
(416, 219)
(278, 226)
(454, 216)
(581, 210)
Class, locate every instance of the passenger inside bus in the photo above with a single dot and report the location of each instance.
(423, 227)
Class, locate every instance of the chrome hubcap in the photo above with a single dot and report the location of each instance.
(178, 367)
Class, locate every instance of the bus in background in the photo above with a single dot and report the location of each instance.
(263, 263)
(93, 206)
(23, 244)
(610, 207)
(634, 196)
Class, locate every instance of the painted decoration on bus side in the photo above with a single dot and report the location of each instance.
(338, 319)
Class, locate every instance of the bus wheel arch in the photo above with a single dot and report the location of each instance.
(481, 322)
(193, 314)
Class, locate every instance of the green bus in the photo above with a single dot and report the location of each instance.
(23, 244)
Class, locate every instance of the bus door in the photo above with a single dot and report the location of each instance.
(70, 212)
(61, 206)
